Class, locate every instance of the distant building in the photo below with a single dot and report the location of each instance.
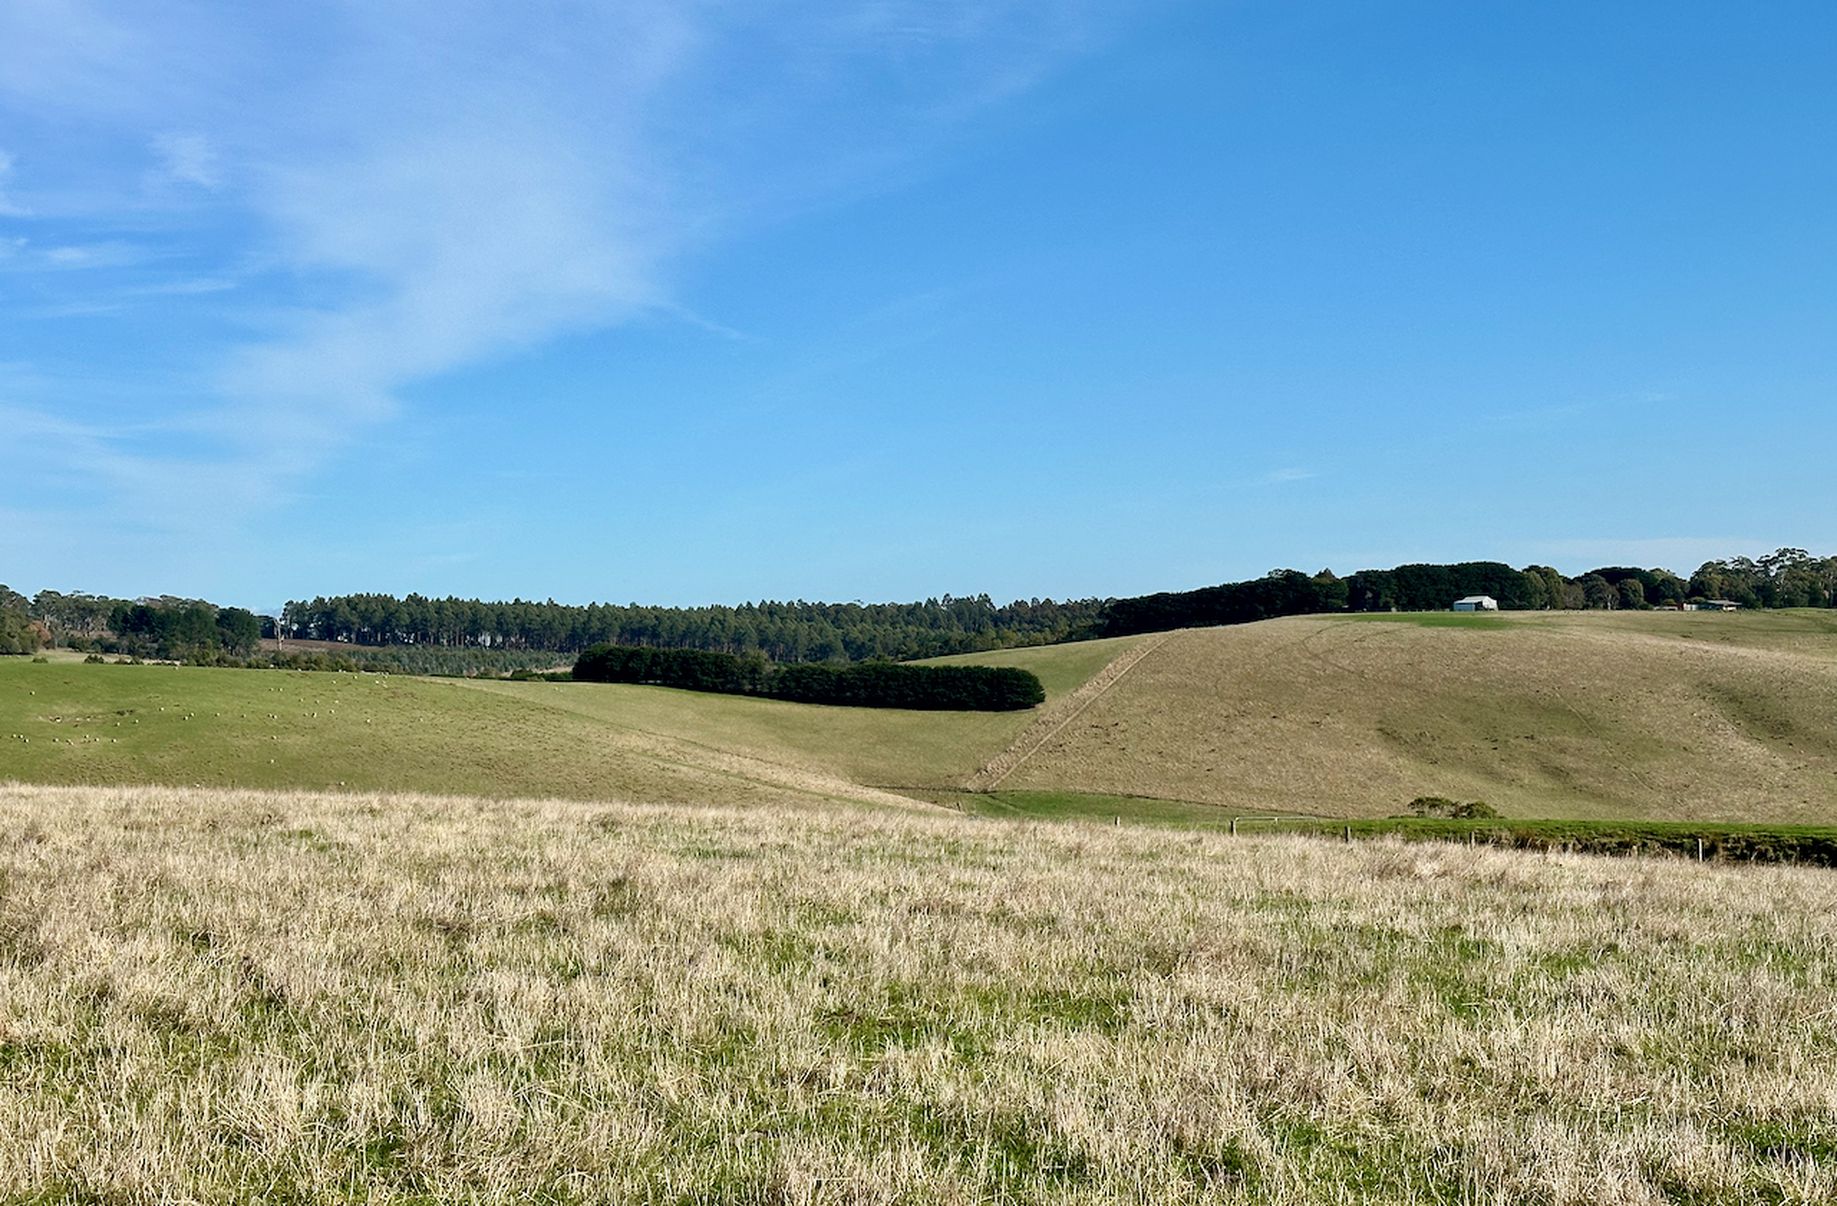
(1477, 603)
(1713, 605)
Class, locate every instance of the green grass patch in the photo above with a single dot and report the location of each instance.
(72, 723)
(1811, 845)
(1081, 806)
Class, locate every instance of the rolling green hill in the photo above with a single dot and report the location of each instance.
(1629, 715)
(68, 722)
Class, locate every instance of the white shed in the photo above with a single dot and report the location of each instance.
(1477, 603)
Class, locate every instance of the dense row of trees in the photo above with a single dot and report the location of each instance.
(1279, 593)
(434, 660)
(1787, 578)
(896, 685)
(690, 669)
(184, 630)
(166, 627)
(78, 616)
(816, 632)
(18, 634)
(784, 632)
(467, 636)
(860, 684)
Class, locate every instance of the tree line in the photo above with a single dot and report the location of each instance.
(416, 634)
(165, 627)
(1787, 578)
(796, 631)
(18, 632)
(858, 684)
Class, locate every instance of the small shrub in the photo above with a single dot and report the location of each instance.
(1454, 810)
(94, 659)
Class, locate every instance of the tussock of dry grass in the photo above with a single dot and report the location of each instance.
(236, 996)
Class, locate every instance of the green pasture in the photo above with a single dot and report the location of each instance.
(66, 721)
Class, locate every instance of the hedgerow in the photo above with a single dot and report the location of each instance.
(860, 685)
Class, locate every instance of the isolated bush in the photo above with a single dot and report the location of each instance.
(1455, 810)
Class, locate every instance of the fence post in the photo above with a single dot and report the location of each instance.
(1699, 849)
(1349, 835)
(1233, 826)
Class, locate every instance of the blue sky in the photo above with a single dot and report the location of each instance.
(696, 302)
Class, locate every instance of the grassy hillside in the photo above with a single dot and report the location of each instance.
(73, 723)
(877, 746)
(1707, 716)
(233, 997)
(68, 722)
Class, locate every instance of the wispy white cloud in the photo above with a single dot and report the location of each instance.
(185, 158)
(9, 208)
(1280, 477)
(1554, 417)
(427, 186)
(77, 256)
(688, 317)
(182, 287)
(19, 254)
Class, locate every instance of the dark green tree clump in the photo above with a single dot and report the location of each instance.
(165, 627)
(1280, 593)
(860, 685)
(689, 669)
(185, 630)
(1787, 578)
(784, 632)
(1435, 587)
(17, 632)
(895, 685)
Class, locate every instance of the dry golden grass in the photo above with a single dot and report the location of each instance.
(236, 996)
(1646, 715)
